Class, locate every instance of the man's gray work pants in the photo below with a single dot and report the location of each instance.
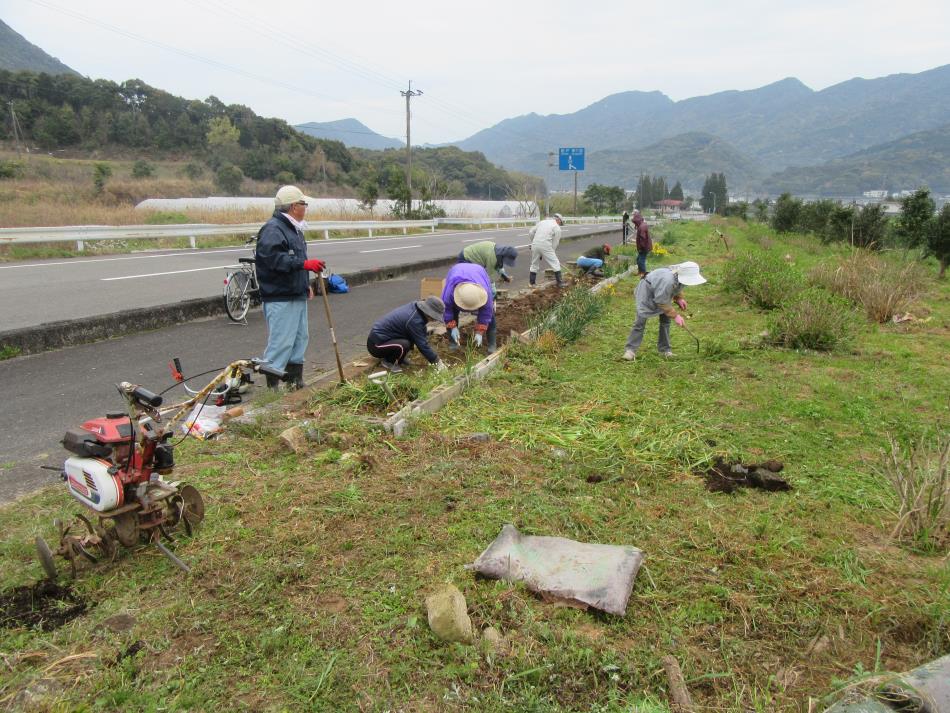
(636, 334)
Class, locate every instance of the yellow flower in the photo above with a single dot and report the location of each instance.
(659, 249)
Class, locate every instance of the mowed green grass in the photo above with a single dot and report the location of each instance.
(310, 572)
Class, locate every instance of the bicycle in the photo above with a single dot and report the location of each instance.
(240, 287)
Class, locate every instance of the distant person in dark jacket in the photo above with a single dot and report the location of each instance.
(282, 266)
(626, 226)
(394, 335)
(644, 242)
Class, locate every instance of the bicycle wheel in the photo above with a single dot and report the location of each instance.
(236, 299)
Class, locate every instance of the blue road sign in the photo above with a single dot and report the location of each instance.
(571, 159)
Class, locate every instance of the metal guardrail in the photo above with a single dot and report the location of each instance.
(83, 233)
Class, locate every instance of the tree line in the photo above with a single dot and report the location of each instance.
(919, 225)
(65, 111)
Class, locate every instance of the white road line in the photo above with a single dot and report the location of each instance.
(173, 272)
(380, 250)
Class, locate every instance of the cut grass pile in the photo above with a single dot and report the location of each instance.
(310, 571)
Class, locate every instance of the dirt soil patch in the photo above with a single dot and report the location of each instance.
(44, 605)
(728, 477)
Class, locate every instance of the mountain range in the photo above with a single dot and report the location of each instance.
(891, 132)
(774, 127)
(16, 53)
(351, 132)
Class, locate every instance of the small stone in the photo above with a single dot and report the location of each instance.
(448, 615)
(476, 437)
(493, 642)
(294, 439)
(773, 465)
(559, 453)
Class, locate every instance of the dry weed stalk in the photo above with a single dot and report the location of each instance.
(922, 484)
(870, 281)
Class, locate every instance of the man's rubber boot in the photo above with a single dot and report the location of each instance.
(558, 280)
(295, 376)
(272, 381)
(532, 278)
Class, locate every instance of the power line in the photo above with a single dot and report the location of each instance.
(296, 88)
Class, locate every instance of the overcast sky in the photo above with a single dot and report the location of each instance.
(476, 62)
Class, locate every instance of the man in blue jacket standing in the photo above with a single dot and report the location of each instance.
(394, 335)
(282, 267)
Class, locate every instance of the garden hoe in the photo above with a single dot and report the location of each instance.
(695, 339)
(326, 306)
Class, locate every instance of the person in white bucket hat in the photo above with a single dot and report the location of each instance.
(656, 295)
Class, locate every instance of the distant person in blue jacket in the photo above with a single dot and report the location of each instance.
(393, 336)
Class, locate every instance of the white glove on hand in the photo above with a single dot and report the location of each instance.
(454, 334)
(478, 339)
(440, 365)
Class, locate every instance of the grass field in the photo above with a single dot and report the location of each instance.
(310, 572)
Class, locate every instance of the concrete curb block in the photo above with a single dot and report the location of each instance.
(67, 333)
(398, 423)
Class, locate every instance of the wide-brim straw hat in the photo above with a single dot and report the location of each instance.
(469, 296)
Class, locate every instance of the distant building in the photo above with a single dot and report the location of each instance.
(875, 195)
(668, 204)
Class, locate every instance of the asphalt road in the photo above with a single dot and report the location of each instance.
(40, 291)
(44, 394)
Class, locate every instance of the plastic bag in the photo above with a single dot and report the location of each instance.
(204, 421)
(336, 283)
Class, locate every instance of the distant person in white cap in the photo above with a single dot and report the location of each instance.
(468, 289)
(656, 294)
(282, 267)
(545, 236)
(394, 335)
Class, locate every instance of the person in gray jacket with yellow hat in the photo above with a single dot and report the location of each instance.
(655, 295)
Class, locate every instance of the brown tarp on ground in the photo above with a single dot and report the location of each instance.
(600, 576)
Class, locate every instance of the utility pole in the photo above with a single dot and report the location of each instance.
(409, 94)
(547, 193)
(16, 128)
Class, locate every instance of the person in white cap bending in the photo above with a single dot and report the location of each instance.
(282, 266)
(655, 295)
(545, 236)
(468, 289)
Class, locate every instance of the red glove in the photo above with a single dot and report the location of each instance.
(679, 320)
(451, 325)
(481, 328)
(314, 265)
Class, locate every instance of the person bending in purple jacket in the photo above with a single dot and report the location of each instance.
(468, 289)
